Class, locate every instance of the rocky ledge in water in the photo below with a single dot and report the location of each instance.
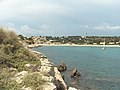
(62, 67)
(75, 73)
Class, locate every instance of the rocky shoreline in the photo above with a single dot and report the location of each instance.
(54, 80)
(48, 67)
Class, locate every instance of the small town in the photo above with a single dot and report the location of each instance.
(72, 40)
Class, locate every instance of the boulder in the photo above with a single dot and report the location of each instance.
(62, 67)
(75, 73)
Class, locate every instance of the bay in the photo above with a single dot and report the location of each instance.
(100, 68)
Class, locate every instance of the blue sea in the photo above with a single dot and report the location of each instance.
(100, 69)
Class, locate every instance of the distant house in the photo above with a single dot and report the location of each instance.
(52, 41)
(94, 43)
(111, 43)
(102, 43)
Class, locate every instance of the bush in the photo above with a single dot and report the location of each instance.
(8, 37)
(14, 55)
(34, 81)
(6, 82)
(12, 52)
(3, 36)
(5, 60)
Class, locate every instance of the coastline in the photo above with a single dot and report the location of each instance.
(47, 65)
(57, 74)
(75, 45)
(81, 59)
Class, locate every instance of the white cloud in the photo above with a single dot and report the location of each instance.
(99, 2)
(57, 16)
(30, 31)
(113, 27)
(107, 27)
(25, 29)
(9, 26)
(22, 8)
(105, 1)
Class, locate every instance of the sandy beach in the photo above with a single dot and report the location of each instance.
(79, 45)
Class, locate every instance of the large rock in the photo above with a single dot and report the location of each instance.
(59, 80)
(51, 75)
(75, 73)
(62, 67)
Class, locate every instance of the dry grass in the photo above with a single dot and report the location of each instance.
(14, 55)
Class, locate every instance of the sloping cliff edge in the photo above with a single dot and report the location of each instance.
(55, 80)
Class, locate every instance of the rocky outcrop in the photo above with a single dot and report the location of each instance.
(75, 73)
(59, 80)
(48, 73)
(62, 67)
(51, 74)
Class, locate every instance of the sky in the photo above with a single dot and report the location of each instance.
(61, 17)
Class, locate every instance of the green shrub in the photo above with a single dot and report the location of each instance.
(34, 81)
(22, 57)
(8, 37)
(5, 60)
(3, 36)
(14, 55)
(17, 59)
(6, 81)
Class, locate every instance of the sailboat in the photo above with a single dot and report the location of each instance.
(103, 45)
(103, 48)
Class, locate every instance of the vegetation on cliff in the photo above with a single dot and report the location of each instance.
(13, 58)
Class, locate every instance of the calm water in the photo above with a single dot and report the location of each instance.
(100, 68)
